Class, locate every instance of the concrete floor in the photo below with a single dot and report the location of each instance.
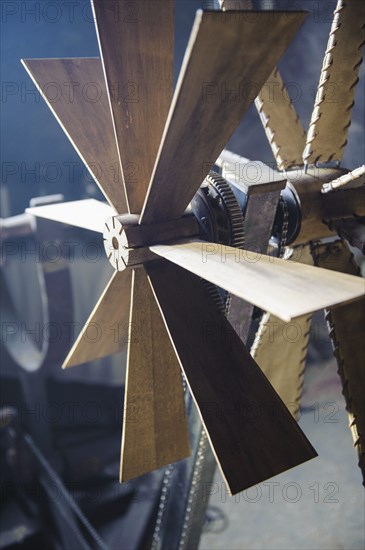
(319, 505)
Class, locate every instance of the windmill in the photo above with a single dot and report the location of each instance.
(165, 146)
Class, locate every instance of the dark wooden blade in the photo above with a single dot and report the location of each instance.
(106, 330)
(74, 90)
(278, 116)
(285, 289)
(331, 117)
(227, 61)
(155, 427)
(346, 327)
(281, 122)
(251, 431)
(137, 49)
(88, 214)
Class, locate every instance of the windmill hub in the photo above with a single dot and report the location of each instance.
(314, 207)
(126, 241)
(214, 215)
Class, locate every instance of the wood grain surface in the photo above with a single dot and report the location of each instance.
(136, 42)
(106, 330)
(88, 214)
(331, 117)
(346, 327)
(155, 427)
(75, 91)
(286, 289)
(251, 431)
(228, 59)
(280, 349)
(281, 122)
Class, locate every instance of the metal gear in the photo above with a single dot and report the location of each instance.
(230, 205)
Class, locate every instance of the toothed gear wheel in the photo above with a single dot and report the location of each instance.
(218, 212)
(230, 205)
(220, 217)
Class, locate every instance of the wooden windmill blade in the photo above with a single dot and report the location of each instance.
(155, 431)
(331, 117)
(346, 328)
(137, 48)
(281, 122)
(88, 214)
(86, 120)
(112, 322)
(259, 416)
(264, 280)
(280, 348)
(203, 96)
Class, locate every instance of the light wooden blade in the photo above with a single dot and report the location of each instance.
(155, 427)
(286, 289)
(251, 431)
(346, 327)
(106, 330)
(281, 122)
(227, 61)
(331, 117)
(88, 214)
(74, 90)
(280, 349)
(136, 42)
